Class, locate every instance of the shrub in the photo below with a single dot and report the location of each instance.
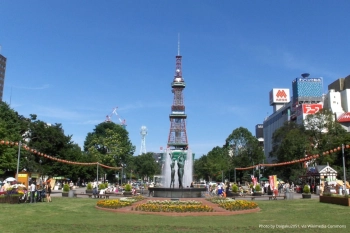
(257, 188)
(234, 188)
(89, 186)
(66, 188)
(306, 189)
(127, 187)
(101, 186)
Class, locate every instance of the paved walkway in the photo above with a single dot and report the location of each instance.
(58, 193)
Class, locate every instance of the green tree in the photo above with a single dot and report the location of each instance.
(325, 134)
(145, 165)
(109, 144)
(245, 150)
(289, 142)
(12, 127)
(51, 140)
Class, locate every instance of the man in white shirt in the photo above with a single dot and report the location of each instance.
(32, 192)
(94, 189)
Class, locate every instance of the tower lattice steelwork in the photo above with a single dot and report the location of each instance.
(177, 136)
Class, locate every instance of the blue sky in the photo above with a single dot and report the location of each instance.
(72, 62)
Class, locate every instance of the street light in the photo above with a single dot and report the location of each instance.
(130, 176)
(344, 188)
(18, 158)
(122, 165)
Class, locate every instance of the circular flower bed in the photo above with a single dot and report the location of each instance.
(119, 203)
(173, 206)
(233, 205)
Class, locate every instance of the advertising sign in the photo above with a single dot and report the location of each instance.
(279, 95)
(311, 108)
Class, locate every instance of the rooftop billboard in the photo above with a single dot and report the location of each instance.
(279, 96)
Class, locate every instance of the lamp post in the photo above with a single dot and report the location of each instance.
(235, 176)
(41, 175)
(40, 170)
(97, 174)
(130, 176)
(222, 176)
(123, 165)
(344, 188)
(230, 153)
(18, 158)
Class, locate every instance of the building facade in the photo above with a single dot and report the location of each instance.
(2, 75)
(307, 99)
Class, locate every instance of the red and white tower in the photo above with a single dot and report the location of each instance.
(177, 135)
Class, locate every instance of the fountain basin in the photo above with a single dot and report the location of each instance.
(176, 192)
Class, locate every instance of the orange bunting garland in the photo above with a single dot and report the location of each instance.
(307, 158)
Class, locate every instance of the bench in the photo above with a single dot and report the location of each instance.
(174, 199)
(271, 197)
(98, 195)
(253, 197)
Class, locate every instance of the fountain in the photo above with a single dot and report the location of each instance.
(177, 175)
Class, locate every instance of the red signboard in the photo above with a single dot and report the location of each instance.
(311, 108)
(345, 117)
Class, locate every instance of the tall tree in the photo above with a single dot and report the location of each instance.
(109, 144)
(51, 140)
(145, 165)
(245, 148)
(12, 127)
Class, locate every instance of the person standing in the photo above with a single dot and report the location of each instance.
(32, 192)
(94, 189)
(48, 191)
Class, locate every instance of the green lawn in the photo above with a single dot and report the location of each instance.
(71, 215)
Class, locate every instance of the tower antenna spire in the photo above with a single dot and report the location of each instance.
(178, 44)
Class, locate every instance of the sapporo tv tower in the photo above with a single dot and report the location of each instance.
(177, 135)
(178, 158)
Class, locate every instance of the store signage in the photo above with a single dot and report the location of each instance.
(279, 95)
(311, 108)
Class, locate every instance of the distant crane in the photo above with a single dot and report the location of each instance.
(109, 118)
(143, 133)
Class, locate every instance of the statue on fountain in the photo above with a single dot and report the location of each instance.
(172, 167)
(180, 171)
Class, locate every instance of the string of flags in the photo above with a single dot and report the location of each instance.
(307, 158)
(27, 148)
(302, 160)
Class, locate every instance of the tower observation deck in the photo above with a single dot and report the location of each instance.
(177, 135)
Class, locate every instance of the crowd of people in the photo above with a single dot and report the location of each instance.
(225, 189)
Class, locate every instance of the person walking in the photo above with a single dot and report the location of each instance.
(32, 192)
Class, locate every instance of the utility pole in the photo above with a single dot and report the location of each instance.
(235, 176)
(344, 188)
(18, 158)
(97, 174)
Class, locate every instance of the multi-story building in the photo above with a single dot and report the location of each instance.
(337, 100)
(307, 99)
(2, 75)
